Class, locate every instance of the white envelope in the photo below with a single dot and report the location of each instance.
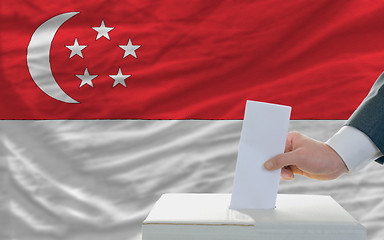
(263, 136)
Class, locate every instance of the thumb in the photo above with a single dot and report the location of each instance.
(282, 160)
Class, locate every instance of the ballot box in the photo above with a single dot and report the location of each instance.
(208, 217)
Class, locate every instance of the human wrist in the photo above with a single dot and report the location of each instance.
(339, 165)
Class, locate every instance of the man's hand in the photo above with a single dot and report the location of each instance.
(307, 157)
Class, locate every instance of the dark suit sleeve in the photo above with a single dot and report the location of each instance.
(369, 116)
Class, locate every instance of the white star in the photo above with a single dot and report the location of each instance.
(86, 78)
(76, 49)
(102, 31)
(119, 78)
(129, 49)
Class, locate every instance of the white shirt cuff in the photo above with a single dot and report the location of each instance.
(354, 147)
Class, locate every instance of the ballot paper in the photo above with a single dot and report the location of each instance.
(263, 136)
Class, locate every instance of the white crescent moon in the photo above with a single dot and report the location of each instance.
(38, 57)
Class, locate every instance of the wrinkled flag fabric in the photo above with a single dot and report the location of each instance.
(186, 60)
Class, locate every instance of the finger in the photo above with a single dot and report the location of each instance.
(287, 174)
(291, 138)
(288, 144)
(282, 160)
(296, 170)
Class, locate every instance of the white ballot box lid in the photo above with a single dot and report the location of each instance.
(207, 216)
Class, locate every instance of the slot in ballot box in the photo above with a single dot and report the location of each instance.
(208, 217)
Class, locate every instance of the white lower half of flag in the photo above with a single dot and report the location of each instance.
(98, 179)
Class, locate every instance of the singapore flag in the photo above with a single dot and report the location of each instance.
(106, 105)
(38, 57)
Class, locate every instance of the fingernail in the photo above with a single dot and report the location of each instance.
(286, 176)
(268, 165)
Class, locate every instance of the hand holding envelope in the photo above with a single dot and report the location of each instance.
(308, 157)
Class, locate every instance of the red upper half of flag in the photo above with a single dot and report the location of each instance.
(188, 59)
